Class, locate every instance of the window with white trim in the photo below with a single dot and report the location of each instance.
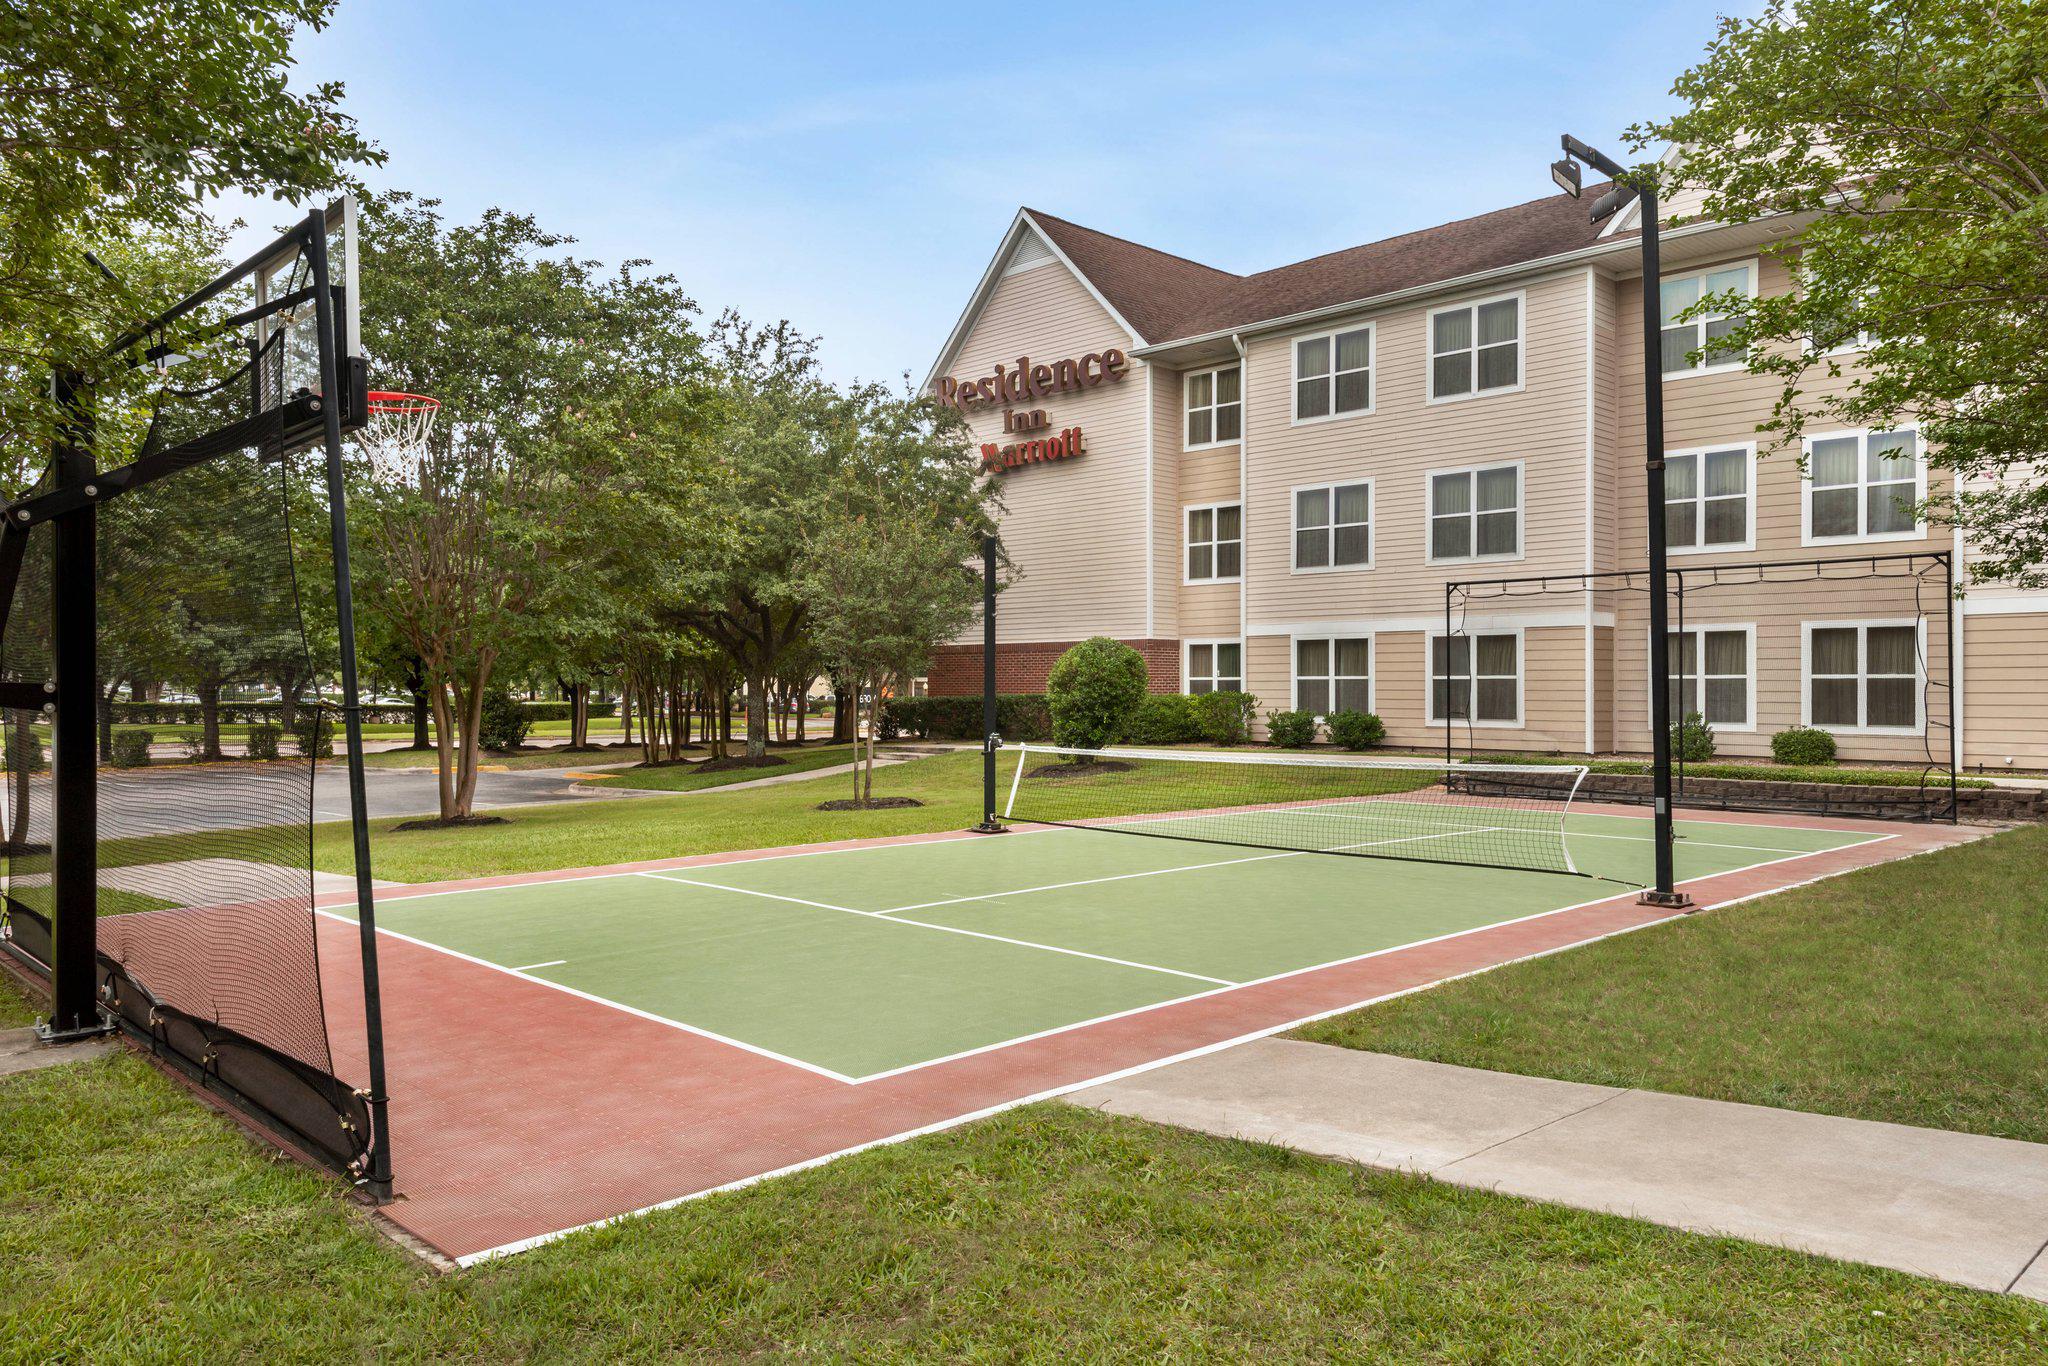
(1333, 674)
(1706, 498)
(1710, 674)
(1215, 406)
(1215, 543)
(1333, 526)
(1215, 666)
(1475, 348)
(1475, 514)
(1863, 676)
(1861, 485)
(1333, 374)
(1681, 340)
(1476, 678)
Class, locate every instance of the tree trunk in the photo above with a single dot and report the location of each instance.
(209, 721)
(842, 714)
(416, 684)
(803, 713)
(757, 718)
(579, 715)
(626, 714)
(444, 751)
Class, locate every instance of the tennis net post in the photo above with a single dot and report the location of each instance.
(991, 741)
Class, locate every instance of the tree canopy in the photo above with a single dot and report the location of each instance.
(1916, 134)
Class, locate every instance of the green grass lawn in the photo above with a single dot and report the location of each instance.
(549, 758)
(139, 1225)
(1911, 992)
(689, 778)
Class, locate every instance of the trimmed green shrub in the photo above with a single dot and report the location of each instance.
(1167, 719)
(1094, 692)
(263, 741)
(505, 721)
(313, 734)
(559, 711)
(1355, 730)
(1803, 747)
(25, 751)
(131, 748)
(1291, 729)
(1225, 718)
(1692, 739)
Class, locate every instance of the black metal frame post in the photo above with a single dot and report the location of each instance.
(991, 741)
(378, 1098)
(1627, 186)
(74, 741)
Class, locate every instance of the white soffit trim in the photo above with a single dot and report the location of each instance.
(1469, 622)
(2017, 604)
(1023, 230)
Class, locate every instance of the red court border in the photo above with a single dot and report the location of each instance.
(520, 1112)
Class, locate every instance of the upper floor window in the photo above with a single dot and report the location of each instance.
(1706, 499)
(1333, 675)
(1215, 404)
(1215, 543)
(1682, 340)
(1475, 348)
(1863, 486)
(1333, 374)
(1215, 666)
(1475, 513)
(1863, 676)
(1476, 678)
(1333, 526)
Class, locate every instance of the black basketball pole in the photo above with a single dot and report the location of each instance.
(1626, 187)
(990, 740)
(378, 1178)
(74, 741)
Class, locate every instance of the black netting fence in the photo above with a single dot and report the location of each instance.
(1771, 663)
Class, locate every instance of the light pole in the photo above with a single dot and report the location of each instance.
(1566, 173)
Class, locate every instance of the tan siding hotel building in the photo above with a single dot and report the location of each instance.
(1267, 481)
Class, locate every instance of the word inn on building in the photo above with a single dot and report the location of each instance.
(1407, 478)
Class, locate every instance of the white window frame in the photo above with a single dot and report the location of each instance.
(1372, 374)
(1862, 487)
(1521, 513)
(1521, 721)
(1186, 543)
(1187, 658)
(1294, 527)
(1429, 353)
(1863, 627)
(1748, 541)
(1717, 367)
(1700, 678)
(1187, 380)
(1330, 638)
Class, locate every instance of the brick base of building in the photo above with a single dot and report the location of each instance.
(1021, 667)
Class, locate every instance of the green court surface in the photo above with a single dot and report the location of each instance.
(868, 961)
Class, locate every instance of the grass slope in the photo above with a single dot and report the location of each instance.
(139, 1226)
(1910, 992)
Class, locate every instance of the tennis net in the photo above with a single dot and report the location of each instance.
(1491, 815)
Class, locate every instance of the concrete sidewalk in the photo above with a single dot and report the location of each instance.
(1956, 1207)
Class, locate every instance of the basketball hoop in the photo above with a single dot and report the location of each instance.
(396, 432)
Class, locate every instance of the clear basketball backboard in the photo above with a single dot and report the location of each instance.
(287, 341)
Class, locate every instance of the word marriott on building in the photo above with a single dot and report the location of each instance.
(1266, 483)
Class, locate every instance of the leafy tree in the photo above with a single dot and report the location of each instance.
(116, 117)
(885, 563)
(1916, 133)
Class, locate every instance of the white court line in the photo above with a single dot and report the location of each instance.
(551, 963)
(634, 1011)
(1180, 868)
(945, 929)
(1137, 1069)
(1714, 844)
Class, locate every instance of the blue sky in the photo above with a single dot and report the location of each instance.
(851, 168)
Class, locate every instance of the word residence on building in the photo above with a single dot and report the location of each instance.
(1265, 482)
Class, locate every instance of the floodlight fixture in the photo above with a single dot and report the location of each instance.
(1565, 172)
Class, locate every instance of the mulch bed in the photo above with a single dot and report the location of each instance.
(436, 823)
(871, 804)
(1077, 768)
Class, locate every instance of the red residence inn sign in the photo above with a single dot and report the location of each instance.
(1009, 387)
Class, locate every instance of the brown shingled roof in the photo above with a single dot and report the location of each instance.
(1167, 297)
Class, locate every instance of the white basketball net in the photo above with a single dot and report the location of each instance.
(395, 434)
